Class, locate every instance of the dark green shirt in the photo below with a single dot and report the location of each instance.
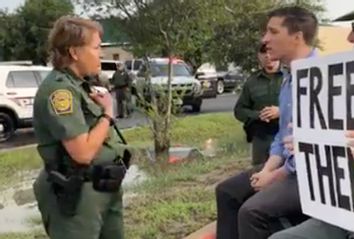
(260, 90)
(64, 110)
(121, 79)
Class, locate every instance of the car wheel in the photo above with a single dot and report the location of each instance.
(196, 106)
(220, 87)
(7, 127)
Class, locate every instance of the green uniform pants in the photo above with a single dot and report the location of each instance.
(260, 149)
(99, 215)
(123, 98)
(312, 229)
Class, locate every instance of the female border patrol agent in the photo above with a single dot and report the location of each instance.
(78, 193)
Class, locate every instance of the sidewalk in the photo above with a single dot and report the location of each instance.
(207, 232)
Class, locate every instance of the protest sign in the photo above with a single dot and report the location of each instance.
(323, 110)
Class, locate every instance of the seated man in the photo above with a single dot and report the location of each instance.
(249, 203)
(313, 228)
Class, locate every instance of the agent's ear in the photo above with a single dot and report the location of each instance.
(73, 53)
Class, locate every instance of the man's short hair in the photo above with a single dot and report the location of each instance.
(298, 19)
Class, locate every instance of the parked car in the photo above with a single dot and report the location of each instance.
(230, 80)
(227, 79)
(108, 67)
(133, 66)
(183, 82)
(18, 86)
(209, 84)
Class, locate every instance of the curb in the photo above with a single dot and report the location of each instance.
(206, 232)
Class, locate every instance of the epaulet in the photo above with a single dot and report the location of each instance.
(59, 76)
(255, 75)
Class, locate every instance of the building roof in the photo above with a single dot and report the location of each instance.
(347, 17)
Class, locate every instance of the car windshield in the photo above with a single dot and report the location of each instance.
(162, 70)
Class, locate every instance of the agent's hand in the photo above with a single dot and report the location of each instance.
(268, 113)
(105, 101)
(262, 179)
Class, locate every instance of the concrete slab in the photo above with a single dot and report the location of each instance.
(176, 154)
(206, 232)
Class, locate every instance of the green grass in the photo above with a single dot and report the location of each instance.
(193, 130)
(14, 163)
(176, 201)
(36, 234)
(180, 200)
(168, 213)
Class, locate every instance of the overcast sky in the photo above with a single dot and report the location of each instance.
(335, 8)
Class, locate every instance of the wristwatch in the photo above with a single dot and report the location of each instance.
(109, 118)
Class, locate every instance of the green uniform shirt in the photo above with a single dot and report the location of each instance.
(64, 110)
(121, 79)
(260, 90)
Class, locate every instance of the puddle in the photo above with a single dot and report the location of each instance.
(18, 207)
(18, 218)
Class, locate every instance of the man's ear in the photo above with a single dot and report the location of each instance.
(73, 53)
(299, 36)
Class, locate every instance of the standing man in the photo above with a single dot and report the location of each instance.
(122, 83)
(250, 204)
(257, 106)
(313, 228)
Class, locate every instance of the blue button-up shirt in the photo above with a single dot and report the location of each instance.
(285, 118)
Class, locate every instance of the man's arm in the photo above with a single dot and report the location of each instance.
(275, 159)
(112, 80)
(243, 109)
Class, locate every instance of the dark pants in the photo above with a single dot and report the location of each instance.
(243, 213)
(123, 101)
(260, 149)
(313, 229)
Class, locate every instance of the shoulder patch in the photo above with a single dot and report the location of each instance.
(62, 102)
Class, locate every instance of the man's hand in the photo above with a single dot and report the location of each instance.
(350, 140)
(104, 100)
(268, 113)
(289, 141)
(262, 179)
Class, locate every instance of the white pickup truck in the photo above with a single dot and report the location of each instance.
(183, 82)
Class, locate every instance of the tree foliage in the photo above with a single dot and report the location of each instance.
(217, 31)
(157, 27)
(237, 38)
(24, 33)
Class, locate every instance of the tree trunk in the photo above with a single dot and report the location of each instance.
(162, 122)
(161, 141)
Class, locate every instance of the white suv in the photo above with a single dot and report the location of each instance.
(108, 67)
(18, 86)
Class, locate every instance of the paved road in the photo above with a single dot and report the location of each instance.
(223, 103)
